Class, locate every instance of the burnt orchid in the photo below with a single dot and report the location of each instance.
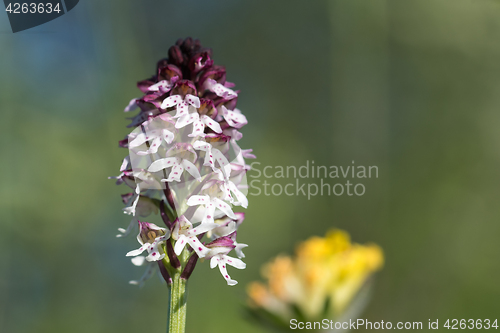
(185, 163)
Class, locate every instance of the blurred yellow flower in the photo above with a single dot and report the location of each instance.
(320, 281)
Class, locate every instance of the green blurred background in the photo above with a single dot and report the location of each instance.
(410, 86)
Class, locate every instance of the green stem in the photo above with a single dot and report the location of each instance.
(178, 298)
(178, 305)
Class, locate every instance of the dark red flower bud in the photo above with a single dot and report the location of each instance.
(123, 143)
(190, 265)
(164, 272)
(164, 215)
(175, 55)
(174, 260)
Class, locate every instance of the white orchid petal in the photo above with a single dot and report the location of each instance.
(214, 261)
(171, 101)
(220, 90)
(197, 246)
(140, 139)
(238, 249)
(242, 199)
(176, 173)
(139, 260)
(154, 252)
(134, 253)
(221, 159)
(198, 129)
(186, 120)
(209, 213)
(202, 145)
(235, 119)
(223, 271)
(212, 124)
(237, 263)
(132, 105)
(180, 244)
(198, 200)
(182, 109)
(168, 136)
(192, 100)
(125, 163)
(202, 228)
(224, 207)
(191, 169)
(155, 144)
(162, 164)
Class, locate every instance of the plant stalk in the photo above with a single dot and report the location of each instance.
(178, 299)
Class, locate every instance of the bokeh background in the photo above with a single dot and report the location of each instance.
(410, 86)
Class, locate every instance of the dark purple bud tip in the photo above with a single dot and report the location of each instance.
(164, 215)
(190, 265)
(164, 272)
(123, 143)
(174, 261)
(188, 45)
(175, 55)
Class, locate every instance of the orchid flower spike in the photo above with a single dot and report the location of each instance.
(184, 161)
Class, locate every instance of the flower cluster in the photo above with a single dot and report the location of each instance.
(323, 280)
(185, 162)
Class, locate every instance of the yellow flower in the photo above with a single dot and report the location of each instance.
(326, 270)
